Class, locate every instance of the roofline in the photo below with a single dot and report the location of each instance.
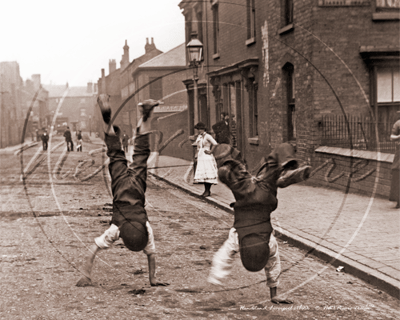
(140, 69)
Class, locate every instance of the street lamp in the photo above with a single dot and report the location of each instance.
(195, 50)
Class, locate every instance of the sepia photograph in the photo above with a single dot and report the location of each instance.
(200, 159)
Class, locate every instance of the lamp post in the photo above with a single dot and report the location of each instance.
(195, 50)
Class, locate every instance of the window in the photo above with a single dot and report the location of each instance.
(387, 93)
(290, 102)
(199, 16)
(386, 10)
(387, 4)
(253, 109)
(188, 26)
(287, 12)
(155, 88)
(251, 19)
(388, 85)
(215, 27)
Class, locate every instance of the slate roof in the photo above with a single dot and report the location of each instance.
(57, 91)
(175, 57)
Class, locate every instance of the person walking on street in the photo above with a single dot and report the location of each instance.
(45, 139)
(125, 141)
(256, 197)
(206, 168)
(128, 184)
(68, 140)
(221, 129)
(395, 185)
(79, 141)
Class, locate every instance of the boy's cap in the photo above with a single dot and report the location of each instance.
(134, 234)
(254, 252)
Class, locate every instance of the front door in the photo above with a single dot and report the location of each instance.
(235, 114)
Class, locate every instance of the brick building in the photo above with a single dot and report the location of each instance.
(120, 85)
(73, 105)
(16, 97)
(161, 78)
(283, 69)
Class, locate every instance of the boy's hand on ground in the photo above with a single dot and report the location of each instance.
(278, 300)
(84, 282)
(159, 284)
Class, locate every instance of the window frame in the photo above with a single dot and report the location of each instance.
(290, 89)
(215, 15)
(251, 21)
(154, 89)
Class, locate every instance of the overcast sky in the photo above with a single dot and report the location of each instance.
(72, 40)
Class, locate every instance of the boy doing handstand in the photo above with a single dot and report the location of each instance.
(252, 232)
(128, 184)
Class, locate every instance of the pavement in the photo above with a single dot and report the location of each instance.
(353, 231)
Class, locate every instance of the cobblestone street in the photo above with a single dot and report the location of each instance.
(48, 223)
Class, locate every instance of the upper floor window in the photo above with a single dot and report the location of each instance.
(287, 12)
(386, 10)
(388, 4)
(215, 27)
(156, 91)
(251, 19)
(199, 17)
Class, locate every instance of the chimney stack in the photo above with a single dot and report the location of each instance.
(149, 47)
(36, 81)
(112, 64)
(89, 88)
(125, 56)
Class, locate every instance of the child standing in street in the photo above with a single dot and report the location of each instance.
(128, 184)
(252, 232)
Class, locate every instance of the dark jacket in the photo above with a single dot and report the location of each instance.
(222, 132)
(67, 135)
(45, 137)
(256, 196)
(128, 183)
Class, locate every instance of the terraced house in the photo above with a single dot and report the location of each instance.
(321, 74)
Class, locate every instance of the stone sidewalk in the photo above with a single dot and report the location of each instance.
(350, 230)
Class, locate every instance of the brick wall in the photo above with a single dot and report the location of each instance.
(175, 124)
(332, 171)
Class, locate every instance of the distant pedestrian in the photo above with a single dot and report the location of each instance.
(395, 186)
(79, 139)
(37, 135)
(206, 168)
(45, 139)
(221, 129)
(125, 142)
(68, 140)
